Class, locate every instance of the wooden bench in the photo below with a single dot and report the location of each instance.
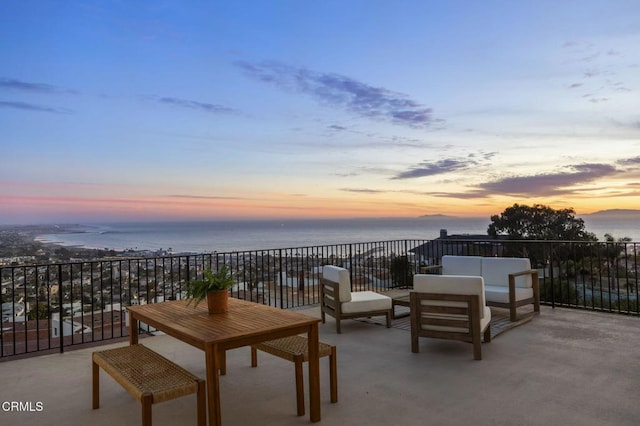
(296, 350)
(148, 377)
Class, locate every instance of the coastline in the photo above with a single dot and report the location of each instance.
(21, 241)
(81, 242)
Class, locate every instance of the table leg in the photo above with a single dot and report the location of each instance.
(314, 373)
(133, 330)
(213, 385)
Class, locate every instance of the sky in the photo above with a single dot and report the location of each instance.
(192, 110)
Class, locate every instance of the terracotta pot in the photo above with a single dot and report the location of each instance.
(217, 301)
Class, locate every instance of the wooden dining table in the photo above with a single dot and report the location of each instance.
(245, 323)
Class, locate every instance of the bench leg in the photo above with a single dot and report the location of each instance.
(254, 357)
(333, 378)
(299, 384)
(95, 385)
(389, 318)
(202, 403)
(147, 401)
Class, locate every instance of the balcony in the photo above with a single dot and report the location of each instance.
(566, 367)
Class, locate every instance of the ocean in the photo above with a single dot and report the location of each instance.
(224, 236)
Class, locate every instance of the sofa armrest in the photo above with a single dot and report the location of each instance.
(525, 272)
(534, 285)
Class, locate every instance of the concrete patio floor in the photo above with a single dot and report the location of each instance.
(564, 367)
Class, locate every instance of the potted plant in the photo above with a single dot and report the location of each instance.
(214, 287)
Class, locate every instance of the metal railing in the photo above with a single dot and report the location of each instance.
(50, 307)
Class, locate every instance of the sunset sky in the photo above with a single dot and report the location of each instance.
(129, 110)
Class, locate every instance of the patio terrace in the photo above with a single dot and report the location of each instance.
(565, 367)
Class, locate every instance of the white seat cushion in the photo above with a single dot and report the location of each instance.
(500, 294)
(364, 301)
(462, 265)
(450, 284)
(496, 270)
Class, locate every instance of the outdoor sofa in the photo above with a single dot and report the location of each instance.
(509, 282)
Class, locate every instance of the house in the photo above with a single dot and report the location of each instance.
(430, 252)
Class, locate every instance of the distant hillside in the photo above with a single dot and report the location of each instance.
(615, 214)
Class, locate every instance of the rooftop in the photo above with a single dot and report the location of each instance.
(566, 367)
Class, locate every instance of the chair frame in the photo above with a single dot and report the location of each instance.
(513, 303)
(470, 321)
(331, 305)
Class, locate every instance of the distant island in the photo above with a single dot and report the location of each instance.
(615, 214)
(601, 214)
(438, 216)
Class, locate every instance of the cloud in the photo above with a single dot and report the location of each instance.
(31, 107)
(547, 183)
(336, 127)
(597, 78)
(204, 197)
(630, 161)
(541, 185)
(7, 83)
(202, 106)
(434, 168)
(460, 195)
(338, 90)
(363, 191)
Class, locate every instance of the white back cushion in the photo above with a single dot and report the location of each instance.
(341, 276)
(462, 265)
(450, 284)
(496, 270)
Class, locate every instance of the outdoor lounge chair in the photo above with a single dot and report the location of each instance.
(338, 301)
(449, 307)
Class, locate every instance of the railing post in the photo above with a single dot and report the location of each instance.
(279, 280)
(60, 308)
(553, 289)
(351, 265)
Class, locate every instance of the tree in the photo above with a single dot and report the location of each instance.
(400, 269)
(42, 312)
(539, 222)
(613, 249)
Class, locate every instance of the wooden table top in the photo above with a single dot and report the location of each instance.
(244, 321)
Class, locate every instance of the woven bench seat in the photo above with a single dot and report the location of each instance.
(148, 377)
(296, 350)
